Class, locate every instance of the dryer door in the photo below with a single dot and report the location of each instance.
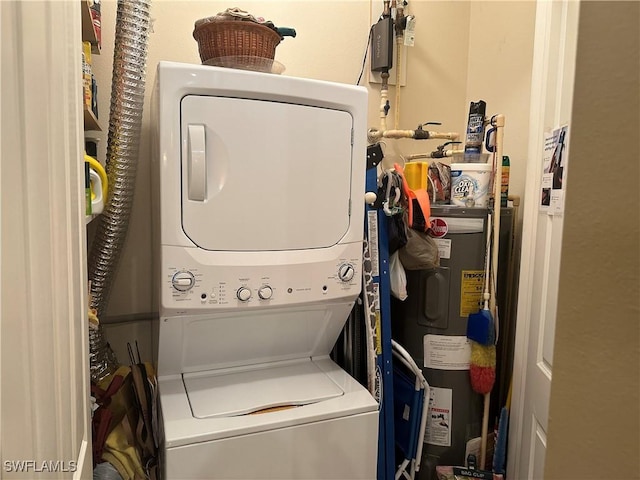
(262, 175)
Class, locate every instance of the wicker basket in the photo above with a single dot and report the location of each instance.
(231, 38)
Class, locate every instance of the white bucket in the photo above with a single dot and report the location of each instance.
(470, 184)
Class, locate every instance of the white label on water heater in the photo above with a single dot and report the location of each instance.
(438, 431)
(447, 352)
(444, 247)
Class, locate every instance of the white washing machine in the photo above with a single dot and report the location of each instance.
(259, 213)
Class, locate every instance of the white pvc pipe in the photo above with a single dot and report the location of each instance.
(374, 134)
(383, 104)
(399, 41)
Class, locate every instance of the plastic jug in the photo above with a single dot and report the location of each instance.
(99, 184)
(416, 175)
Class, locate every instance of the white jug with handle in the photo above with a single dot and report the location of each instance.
(99, 184)
(97, 197)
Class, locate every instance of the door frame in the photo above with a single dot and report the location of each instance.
(45, 365)
(548, 25)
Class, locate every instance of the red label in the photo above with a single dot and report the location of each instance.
(439, 228)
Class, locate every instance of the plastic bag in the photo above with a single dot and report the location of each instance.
(440, 180)
(398, 277)
(420, 252)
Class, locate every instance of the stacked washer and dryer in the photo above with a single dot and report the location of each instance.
(259, 207)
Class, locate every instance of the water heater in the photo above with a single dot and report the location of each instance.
(432, 324)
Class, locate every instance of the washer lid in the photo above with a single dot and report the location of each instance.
(233, 393)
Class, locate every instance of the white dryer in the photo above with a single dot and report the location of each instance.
(259, 214)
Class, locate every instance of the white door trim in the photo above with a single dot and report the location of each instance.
(551, 100)
(529, 227)
(45, 372)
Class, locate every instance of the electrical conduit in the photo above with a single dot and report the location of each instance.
(399, 41)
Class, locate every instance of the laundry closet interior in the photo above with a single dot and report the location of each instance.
(444, 61)
(311, 232)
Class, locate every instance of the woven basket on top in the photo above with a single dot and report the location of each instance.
(231, 38)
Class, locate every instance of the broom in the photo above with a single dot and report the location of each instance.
(480, 327)
(482, 367)
(500, 450)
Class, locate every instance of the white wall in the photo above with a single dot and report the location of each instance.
(445, 69)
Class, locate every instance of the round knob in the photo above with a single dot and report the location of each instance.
(370, 198)
(183, 281)
(243, 294)
(346, 272)
(265, 292)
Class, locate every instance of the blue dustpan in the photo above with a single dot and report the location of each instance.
(480, 326)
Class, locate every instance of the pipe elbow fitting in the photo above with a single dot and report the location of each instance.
(373, 135)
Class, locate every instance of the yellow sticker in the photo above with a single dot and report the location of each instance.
(471, 286)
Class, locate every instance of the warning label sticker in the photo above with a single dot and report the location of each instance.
(471, 287)
(447, 352)
(438, 431)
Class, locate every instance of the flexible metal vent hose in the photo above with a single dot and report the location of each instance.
(133, 25)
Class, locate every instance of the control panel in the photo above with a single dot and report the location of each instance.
(188, 285)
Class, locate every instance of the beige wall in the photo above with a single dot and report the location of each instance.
(436, 76)
(499, 72)
(445, 69)
(594, 423)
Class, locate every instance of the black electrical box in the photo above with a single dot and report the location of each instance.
(382, 45)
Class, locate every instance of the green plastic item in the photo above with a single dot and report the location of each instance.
(504, 189)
